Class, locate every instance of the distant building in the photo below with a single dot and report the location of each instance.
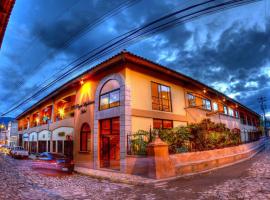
(6, 7)
(12, 133)
(267, 124)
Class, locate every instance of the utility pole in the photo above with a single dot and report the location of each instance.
(262, 101)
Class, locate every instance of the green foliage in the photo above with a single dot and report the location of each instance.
(138, 142)
(205, 135)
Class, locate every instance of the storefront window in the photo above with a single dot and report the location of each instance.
(60, 146)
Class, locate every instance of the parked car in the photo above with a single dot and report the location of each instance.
(54, 161)
(19, 152)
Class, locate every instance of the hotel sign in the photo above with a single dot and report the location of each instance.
(82, 107)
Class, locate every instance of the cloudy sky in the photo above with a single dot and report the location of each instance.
(228, 50)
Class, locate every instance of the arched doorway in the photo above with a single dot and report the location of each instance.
(85, 138)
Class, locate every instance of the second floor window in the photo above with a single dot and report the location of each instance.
(161, 97)
(231, 112)
(225, 110)
(191, 100)
(243, 118)
(215, 106)
(109, 95)
(206, 104)
(236, 114)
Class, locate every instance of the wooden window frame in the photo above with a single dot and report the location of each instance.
(160, 99)
(162, 123)
(109, 105)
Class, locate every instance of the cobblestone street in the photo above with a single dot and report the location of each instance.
(246, 180)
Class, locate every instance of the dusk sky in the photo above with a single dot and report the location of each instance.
(228, 51)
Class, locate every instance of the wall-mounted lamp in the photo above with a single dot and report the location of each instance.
(204, 91)
(81, 82)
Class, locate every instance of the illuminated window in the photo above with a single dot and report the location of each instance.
(162, 124)
(110, 95)
(206, 104)
(84, 136)
(191, 99)
(236, 114)
(231, 112)
(161, 97)
(225, 110)
(215, 106)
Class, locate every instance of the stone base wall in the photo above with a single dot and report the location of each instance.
(196, 162)
(137, 165)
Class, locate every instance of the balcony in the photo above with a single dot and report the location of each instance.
(68, 122)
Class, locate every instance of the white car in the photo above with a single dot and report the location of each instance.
(19, 152)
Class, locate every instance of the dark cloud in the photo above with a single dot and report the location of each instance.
(235, 57)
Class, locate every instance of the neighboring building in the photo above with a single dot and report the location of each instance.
(3, 129)
(6, 7)
(12, 133)
(267, 124)
(96, 111)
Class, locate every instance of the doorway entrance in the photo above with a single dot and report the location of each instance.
(110, 143)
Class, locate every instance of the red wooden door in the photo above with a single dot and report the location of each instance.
(110, 143)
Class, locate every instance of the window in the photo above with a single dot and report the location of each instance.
(236, 114)
(109, 95)
(215, 106)
(243, 118)
(249, 121)
(206, 104)
(191, 100)
(225, 110)
(84, 136)
(162, 124)
(161, 97)
(231, 112)
(60, 146)
(54, 146)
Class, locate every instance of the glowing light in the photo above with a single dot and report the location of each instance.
(61, 112)
(37, 120)
(2, 126)
(224, 99)
(204, 91)
(85, 92)
(82, 82)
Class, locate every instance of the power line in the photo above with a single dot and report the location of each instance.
(84, 29)
(137, 33)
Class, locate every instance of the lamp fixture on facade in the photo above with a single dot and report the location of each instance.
(61, 112)
(81, 82)
(224, 99)
(204, 91)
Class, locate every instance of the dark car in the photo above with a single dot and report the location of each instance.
(53, 161)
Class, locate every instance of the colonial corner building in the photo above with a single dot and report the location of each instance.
(91, 117)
